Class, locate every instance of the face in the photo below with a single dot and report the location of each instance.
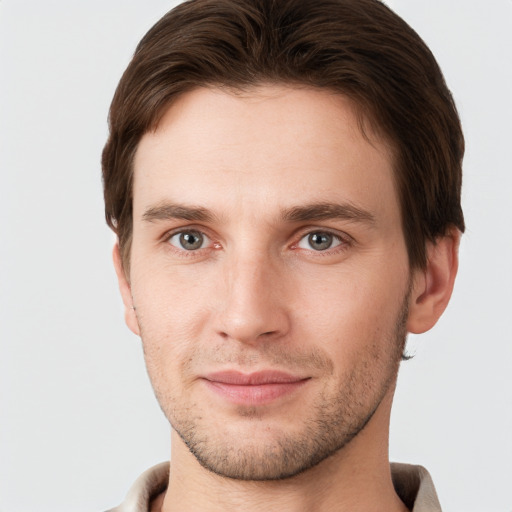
(269, 276)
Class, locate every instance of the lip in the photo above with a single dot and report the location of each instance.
(256, 388)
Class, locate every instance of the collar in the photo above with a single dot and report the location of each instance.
(413, 485)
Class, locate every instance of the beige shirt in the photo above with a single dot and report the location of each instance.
(412, 483)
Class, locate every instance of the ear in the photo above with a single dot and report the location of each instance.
(433, 286)
(126, 293)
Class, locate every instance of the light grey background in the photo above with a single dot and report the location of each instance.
(78, 419)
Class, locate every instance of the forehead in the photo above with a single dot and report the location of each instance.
(268, 148)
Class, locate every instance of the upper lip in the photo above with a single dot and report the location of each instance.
(253, 379)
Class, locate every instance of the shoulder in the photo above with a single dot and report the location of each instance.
(415, 487)
(149, 484)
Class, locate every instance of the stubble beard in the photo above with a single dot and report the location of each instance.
(333, 424)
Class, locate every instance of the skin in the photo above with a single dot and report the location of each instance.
(256, 295)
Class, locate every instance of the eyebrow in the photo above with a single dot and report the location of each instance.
(326, 211)
(304, 213)
(168, 211)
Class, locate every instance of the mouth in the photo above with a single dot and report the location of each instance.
(253, 389)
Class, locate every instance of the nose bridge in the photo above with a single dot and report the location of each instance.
(253, 305)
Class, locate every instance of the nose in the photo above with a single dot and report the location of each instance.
(254, 301)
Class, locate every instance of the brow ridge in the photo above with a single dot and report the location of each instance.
(302, 213)
(325, 211)
(168, 211)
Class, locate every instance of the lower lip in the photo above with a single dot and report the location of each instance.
(257, 394)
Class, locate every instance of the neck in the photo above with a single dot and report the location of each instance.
(356, 478)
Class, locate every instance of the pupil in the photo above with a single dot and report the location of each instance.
(191, 240)
(320, 241)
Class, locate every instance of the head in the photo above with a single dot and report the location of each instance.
(301, 164)
(358, 49)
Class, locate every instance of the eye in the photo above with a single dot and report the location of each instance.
(319, 241)
(189, 240)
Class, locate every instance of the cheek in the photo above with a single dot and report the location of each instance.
(350, 311)
(172, 315)
(170, 296)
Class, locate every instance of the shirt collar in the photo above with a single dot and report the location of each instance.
(413, 485)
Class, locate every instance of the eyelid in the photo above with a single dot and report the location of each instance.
(336, 241)
(166, 237)
(344, 239)
(184, 229)
(205, 240)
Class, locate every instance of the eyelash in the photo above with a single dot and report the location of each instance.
(183, 252)
(345, 241)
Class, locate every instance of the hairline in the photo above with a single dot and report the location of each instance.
(368, 127)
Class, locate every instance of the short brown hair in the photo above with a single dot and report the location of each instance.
(358, 48)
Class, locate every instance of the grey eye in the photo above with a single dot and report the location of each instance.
(189, 240)
(319, 241)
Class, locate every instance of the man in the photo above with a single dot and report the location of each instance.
(284, 180)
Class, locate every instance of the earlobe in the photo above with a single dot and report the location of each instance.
(126, 293)
(433, 286)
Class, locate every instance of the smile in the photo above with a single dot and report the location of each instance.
(255, 388)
